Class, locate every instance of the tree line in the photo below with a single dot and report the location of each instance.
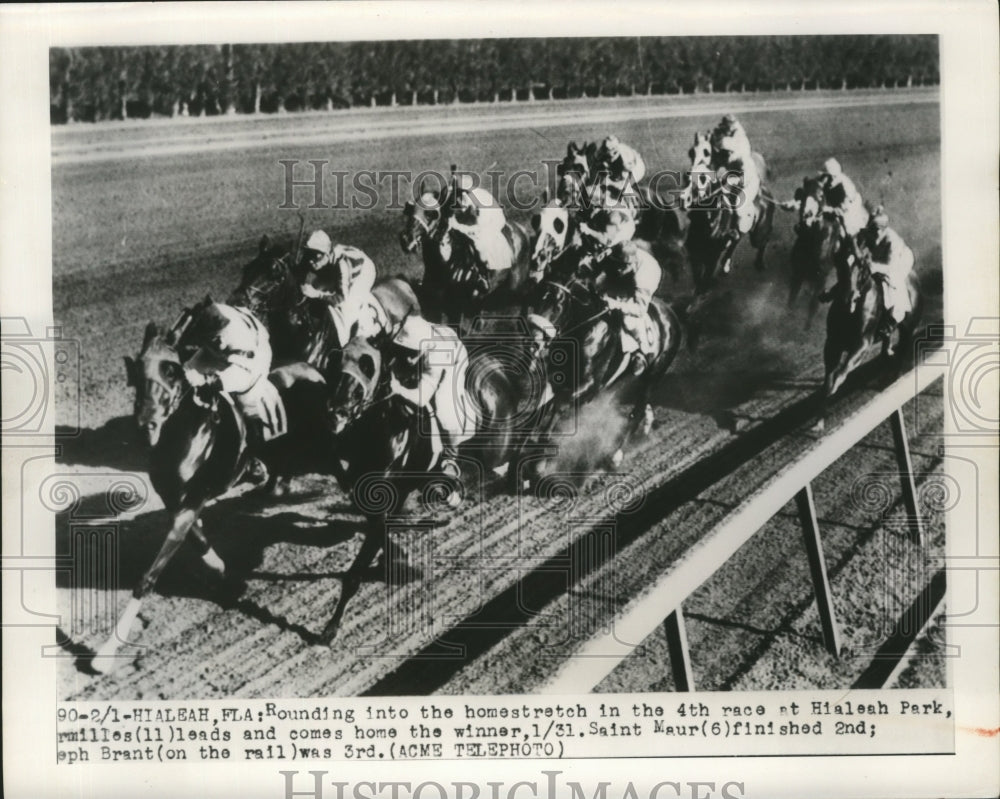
(99, 83)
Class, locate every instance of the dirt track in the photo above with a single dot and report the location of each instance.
(138, 239)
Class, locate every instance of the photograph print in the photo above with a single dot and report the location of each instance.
(498, 366)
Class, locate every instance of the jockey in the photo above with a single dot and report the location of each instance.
(340, 274)
(428, 369)
(628, 280)
(608, 227)
(842, 197)
(731, 155)
(480, 217)
(234, 355)
(619, 161)
(891, 259)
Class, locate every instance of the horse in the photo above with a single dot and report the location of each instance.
(385, 451)
(454, 286)
(199, 451)
(578, 163)
(382, 456)
(301, 328)
(857, 320)
(584, 357)
(711, 233)
(556, 230)
(310, 330)
(817, 243)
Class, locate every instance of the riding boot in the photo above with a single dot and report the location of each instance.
(727, 263)
(885, 327)
(449, 467)
(449, 458)
(255, 472)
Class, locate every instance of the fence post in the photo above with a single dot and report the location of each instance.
(817, 566)
(677, 646)
(909, 487)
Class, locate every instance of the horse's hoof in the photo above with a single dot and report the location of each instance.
(618, 458)
(105, 664)
(214, 562)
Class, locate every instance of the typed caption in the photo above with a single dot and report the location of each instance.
(639, 725)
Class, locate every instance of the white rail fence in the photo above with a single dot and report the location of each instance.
(662, 602)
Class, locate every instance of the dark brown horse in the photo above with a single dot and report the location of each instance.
(857, 319)
(575, 337)
(199, 451)
(385, 451)
(817, 244)
(712, 238)
(306, 329)
(455, 288)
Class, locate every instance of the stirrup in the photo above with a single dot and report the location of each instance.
(256, 472)
(449, 467)
(639, 363)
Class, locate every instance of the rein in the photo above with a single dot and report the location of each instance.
(566, 290)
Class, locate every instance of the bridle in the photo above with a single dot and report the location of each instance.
(163, 394)
(566, 290)
(260, 297)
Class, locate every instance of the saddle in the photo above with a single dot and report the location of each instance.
(627, 345)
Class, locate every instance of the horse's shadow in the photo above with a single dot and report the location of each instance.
(117, 444)
(240, 537)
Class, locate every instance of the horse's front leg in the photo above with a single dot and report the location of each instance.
(373, 543)
(208, 555)
(759, 260)
(848, 364)
(795, 286)
(104, 659)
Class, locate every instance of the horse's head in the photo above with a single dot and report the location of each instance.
(576, 164)
(421, 219)
(810, 199)
(561, 305)
(570, 191)
(551, 224)
(267, 281)
(701, 176)
(158, 379)
(701, 150)
(356, 385)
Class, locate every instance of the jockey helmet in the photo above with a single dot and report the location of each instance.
(208, 324)
(877, 217)
(611, 145)
(625, 256)
(319, 241)
(832, 168)
(415, 330)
